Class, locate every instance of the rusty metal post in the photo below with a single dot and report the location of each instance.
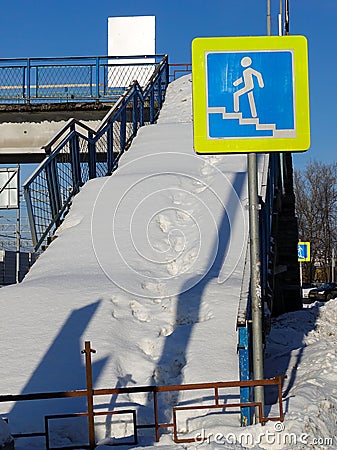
(279, 388)
(90, 399)
(155, 407)
(216, 395)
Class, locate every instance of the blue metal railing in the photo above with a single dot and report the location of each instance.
(99, 78)
(79, 153)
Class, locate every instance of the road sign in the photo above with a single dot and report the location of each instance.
(250, 94)
(303, 251)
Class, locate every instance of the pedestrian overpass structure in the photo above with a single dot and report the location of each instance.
(80, 151)
(39, 95)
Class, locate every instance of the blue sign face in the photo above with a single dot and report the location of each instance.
(250, 94)
(303, 251)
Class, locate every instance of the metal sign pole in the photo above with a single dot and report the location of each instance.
(333, 265)
(268, 18)
(255, 282)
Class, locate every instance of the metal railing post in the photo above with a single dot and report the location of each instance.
(51, 191)
(122, 133)
(152, 114)
(28, 82)
(97, 78)
(90, 397)
(92, 156)
(110, 147)
(135, 113)
(75, 160)
(105, 79)
(31, 218)
(57, 204)
(141, 110)
(167, 72)
(159, 100)
(91, 81)
(37, 82)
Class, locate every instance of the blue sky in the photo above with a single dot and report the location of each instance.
(79, 28)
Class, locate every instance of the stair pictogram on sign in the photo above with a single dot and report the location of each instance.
(252, 121)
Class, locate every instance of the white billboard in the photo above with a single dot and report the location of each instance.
(9, 187)
(131, 36)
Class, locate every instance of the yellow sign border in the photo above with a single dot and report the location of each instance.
(307, 259)
(201, 46)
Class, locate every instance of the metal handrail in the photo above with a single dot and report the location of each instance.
(70, 79)
(49, 190)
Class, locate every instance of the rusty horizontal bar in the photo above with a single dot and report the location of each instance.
(196, 386)
(65, 416)
(124, 390)
(118, 411)
(165, 425)
(22, 435)
(71, 447)
(139, 389)
(41, 396)
(221, 384)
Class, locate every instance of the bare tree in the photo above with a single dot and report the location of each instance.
(316, 208)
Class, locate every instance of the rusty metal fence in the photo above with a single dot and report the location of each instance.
(212, 392)
(178, 70)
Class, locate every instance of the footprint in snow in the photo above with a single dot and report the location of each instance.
(164, 223)
(139, 312)
(149, 349)
(156, 288)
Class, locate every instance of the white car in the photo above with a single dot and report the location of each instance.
(306, 288)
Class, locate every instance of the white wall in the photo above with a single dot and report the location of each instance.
(131, 36)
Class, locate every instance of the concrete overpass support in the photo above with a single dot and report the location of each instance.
(24, 133)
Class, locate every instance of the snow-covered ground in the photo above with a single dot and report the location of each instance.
(148, 267)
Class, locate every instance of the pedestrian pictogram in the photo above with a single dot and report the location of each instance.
(303, 251)
(250, 94)
(248, 85)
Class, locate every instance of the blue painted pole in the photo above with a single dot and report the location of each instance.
(244, 367)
